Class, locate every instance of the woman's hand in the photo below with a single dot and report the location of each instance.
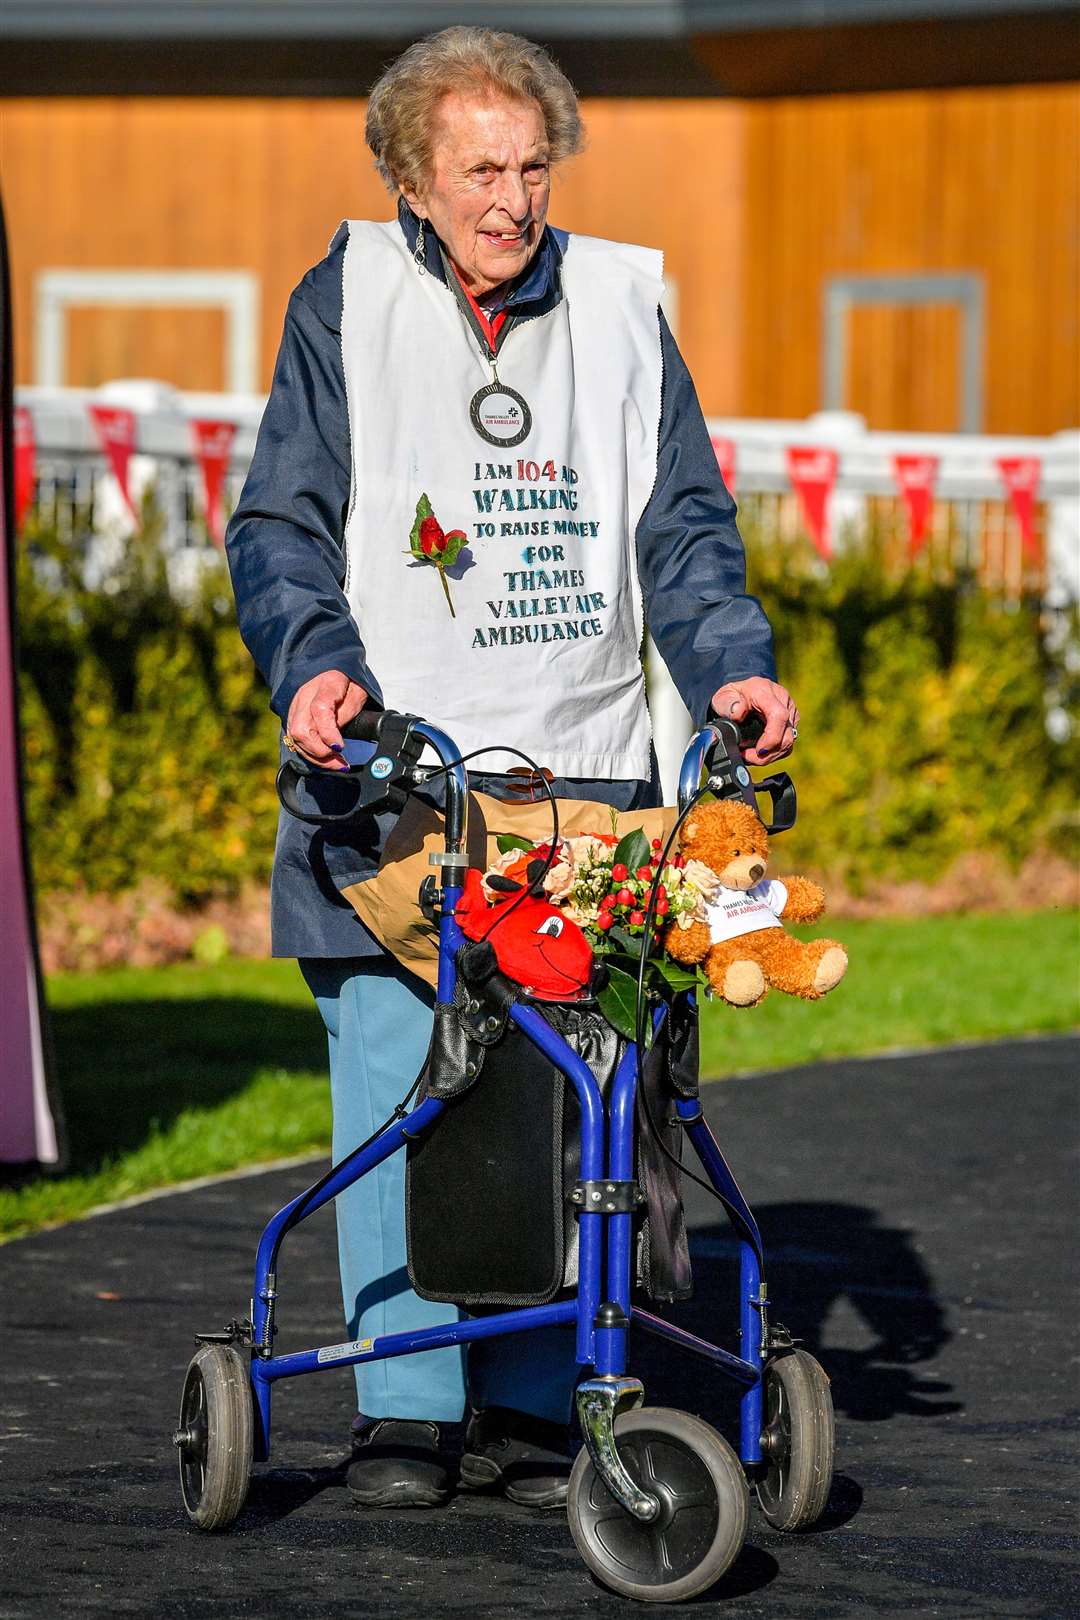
(776, 707)
(318, 711)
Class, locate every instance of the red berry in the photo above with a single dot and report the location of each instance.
(657, 844)
(637, 918)
(607, 902)
(605, 920)
(619, 873)
(662, 906)
(644, 873)
(679, 861)
(625, 897)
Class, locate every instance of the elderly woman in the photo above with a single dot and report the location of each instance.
(482, 463)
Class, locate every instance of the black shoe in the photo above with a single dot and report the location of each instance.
(397, 1463)
(525, 1457)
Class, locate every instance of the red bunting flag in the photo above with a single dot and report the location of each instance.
(25, 456)
(213, 443)
(812, 470)
(915, 479)
(1021, 475)
(115, 428)
(724, 451)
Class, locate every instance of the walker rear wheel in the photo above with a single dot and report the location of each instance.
(797, 1441)
(214, 1437)
(703, 1509)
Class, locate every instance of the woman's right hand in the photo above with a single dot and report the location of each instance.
(318, 711)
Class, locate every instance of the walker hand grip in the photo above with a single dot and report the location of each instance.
(364, 727)
(384, 749)
(730, 779)
(749, 729)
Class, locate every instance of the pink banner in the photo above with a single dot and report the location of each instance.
(915, 479)
(1020, 475)
(812, 471)
(724, 451)
(213, 443)
(25, 455)
(115, 428)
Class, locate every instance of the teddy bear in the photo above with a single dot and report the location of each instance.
(743, 946)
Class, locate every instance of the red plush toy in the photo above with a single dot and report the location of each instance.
(534, 943)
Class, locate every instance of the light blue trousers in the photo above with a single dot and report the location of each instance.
(378, 1018)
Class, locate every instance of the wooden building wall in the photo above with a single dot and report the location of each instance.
(963, 180)
(755, 205)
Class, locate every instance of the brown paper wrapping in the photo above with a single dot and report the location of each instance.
(388, 904)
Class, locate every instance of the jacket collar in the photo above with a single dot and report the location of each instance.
(537, 289)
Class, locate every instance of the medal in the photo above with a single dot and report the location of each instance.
(500, 415)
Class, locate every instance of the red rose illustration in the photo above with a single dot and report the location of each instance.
(428, 542)
(432, 538)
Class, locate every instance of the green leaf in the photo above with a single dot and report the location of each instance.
(632, 851)
(509, 841)
(674, 974)
(626, 942)
(617, 1001)
(423, 510)
(456, 541)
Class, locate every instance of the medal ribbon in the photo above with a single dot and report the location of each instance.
(492, 325)
(516, 418)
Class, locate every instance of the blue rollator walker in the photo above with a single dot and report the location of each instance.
(658, 1500)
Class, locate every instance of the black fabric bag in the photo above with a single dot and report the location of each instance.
(488, 1222)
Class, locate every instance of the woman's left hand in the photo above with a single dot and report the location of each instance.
(776, 707)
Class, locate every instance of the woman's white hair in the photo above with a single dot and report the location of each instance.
(401, 111)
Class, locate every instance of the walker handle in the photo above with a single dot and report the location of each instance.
(717, 748)
(364, 727)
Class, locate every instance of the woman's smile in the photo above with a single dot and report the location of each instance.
(487, 196)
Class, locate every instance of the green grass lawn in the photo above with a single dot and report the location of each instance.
(173, 1073)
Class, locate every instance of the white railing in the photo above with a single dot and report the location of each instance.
(970, 505)
(972, 525)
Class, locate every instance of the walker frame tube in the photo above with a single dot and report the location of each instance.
(607, 1147)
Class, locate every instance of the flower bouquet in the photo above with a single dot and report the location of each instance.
(603, 883)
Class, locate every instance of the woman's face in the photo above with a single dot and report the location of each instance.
(487, 196)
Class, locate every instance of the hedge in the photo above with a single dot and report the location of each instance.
(149, 748)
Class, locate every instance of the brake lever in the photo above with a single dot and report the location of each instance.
(381, 755)
(729, 777)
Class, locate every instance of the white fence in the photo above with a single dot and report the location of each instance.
(972, 525)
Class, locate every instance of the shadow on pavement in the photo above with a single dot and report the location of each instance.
(855, 1292)
(275, 1494)
(125, 1067)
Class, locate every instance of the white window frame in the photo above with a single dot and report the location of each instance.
(56, 292)
(964, 290)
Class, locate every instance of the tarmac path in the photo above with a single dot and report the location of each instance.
(915, 1211)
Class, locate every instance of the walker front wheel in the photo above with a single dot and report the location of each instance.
(214, 1437)
(797, 1442)
(701, 1525)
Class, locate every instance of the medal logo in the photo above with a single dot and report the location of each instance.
(500, 415)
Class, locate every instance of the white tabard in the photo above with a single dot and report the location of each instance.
(544, 651)
(732, 912)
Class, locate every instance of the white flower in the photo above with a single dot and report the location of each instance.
(586, 850)
(559, 881)
(701, 877)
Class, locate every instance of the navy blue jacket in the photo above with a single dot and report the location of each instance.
(285, 550)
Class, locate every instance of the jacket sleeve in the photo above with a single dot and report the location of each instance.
(285, 540)
(690, 556)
